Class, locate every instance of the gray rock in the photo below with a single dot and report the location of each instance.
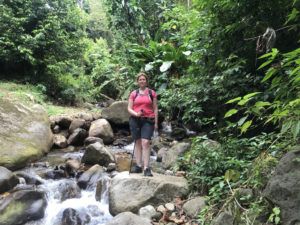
(92, 140)
(117, 113)
(169, 158)
(7, 179)
(60, 141)
(76, 123)
(29, 178)
(22, 206)
(77, 137)
(102, 185)
(193, 207)
(128, 218)
(25, 134)
(223, 219)
(63, 121)
(131, 192)
(97, 154)
(73, 217)
(283, 187)
(69, 189)
(102, 129)
(148, 212)
(90, 177)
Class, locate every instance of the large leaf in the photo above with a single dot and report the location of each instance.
(230, 113)
(165, 66)
(245, 126)
(234, 100)
(232, 175)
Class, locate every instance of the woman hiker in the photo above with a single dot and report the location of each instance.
(142, 106)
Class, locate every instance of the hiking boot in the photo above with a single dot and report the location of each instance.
(147, 172)
(136, 169)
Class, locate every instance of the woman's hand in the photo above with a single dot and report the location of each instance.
(139, 114)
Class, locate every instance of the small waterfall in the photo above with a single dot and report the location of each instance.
(88, 208)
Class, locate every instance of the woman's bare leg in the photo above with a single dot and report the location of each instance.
(138, 152)
(146, 152)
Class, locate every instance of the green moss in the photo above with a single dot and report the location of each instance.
(11, 212)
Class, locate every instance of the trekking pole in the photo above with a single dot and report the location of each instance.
(132, 157)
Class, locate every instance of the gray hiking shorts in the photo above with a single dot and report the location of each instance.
(141, 127)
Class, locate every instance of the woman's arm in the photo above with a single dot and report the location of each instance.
(155, 109)
(131, 111)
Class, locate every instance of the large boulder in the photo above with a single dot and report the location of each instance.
(283, 188)
(169, 158)
(25, 134)
(97, 153)
(131, 192)
(22, 206)
(7, 179)
(117, 113)
(102, 129)
(128, 218)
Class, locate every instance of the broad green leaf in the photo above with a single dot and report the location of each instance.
(295, 129)
(277, 220)
(265, 55)
(165, 66)
(276, 210)
(234, 100)
(245, 126)
(232, 175)
(230, 113)
(243, 101)
(242, 120)
(260, 104)
(269, 74)
(251, 95)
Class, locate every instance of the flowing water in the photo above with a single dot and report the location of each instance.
(90, 210)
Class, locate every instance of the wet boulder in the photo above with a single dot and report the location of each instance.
(69, 189)
(102, 129)
(7, 179)
(22, 206)
(283, 188)
(92, 140)
(90, 177)
(128, 218)
(131, 192)
(25, 133)
(97, 154)
(29, 178)
(73, 217)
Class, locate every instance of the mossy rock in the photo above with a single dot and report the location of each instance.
(25, 133)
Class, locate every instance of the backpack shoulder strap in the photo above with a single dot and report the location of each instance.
(150, 94)
(136, 94)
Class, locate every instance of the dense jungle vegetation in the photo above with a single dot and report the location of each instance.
(228, 69)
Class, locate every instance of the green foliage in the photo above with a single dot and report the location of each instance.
(275, 216)
(280, 103)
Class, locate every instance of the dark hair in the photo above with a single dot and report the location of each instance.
(142, 74)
